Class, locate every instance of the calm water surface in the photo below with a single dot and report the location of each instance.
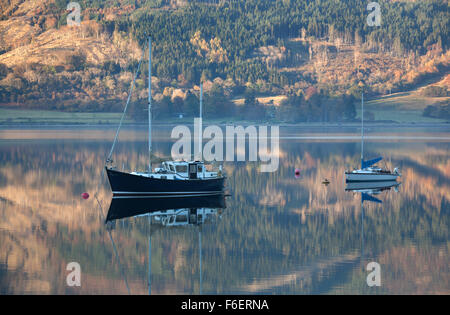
(277, 234)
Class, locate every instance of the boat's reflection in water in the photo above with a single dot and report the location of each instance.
(167, 212)
(368, 190)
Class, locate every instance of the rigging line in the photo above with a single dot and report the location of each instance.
(120, 125)
(126, 106)
(102, 176)
(100, 208)
(118, 260)
(114, 246)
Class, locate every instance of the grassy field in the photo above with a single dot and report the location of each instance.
(400, 116)
(15, 116)
(404, 101)
(45, 117)
(403, 107)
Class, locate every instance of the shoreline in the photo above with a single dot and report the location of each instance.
(235, 123)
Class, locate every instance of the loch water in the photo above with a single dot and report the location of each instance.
(276, 233)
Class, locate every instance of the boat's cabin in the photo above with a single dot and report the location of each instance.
(374, 169)
(181, 171)
(185, 170)
(371, 170)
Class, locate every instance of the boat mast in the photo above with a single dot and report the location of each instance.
(201, 122)
(362, 228)
(362, 129)
(201, 100)
(200, 252)
(150, 256)
(149, 105)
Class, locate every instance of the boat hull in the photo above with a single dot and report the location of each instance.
(131, 185)
(356, 177)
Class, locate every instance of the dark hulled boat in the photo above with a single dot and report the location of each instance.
(174, 178)
(165, 182)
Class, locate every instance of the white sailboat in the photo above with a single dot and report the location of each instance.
(369, 172)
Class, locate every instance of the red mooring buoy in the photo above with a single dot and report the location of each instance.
(297, 173)
(85, 195)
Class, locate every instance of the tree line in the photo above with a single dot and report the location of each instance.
(312, 106)
(243, 26)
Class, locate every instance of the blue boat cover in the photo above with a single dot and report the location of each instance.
(367, 197)
(368, 163)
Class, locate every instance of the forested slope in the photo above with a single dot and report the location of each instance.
(320, 54)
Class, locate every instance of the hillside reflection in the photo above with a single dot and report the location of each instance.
(279, 234)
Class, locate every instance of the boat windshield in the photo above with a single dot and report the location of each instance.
(168, 167)
(181, 169)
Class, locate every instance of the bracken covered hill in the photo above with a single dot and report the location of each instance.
(270, 49)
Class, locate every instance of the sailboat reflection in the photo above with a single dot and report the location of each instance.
(168, 212)
(367, 190)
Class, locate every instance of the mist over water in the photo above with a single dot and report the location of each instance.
(278, 233)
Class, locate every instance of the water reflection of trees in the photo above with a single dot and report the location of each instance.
(274, 223)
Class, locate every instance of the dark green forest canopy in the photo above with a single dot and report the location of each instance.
(243, 26)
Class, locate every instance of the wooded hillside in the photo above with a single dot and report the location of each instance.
(318, 54)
